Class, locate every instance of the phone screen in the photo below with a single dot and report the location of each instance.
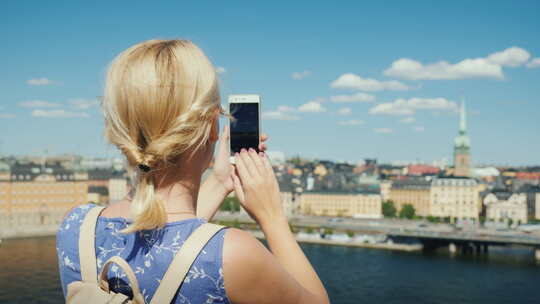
(245, 127)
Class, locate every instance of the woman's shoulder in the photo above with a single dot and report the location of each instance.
(241, 248)
(73, 219)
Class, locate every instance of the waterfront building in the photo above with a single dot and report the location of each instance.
(35, 193)
(504, 206)
(462, 145)
(537, 206)
(530, 192)
(290, 205)
(99, 177)
(385, 186)
(98, 195)
(457, 198)
(118, 188)
(415, 192)
(349, 204)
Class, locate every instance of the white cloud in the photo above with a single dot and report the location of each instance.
(57, 114)
(38, 104)
(345, 111)
(358, 97)
(83, 104)
(300, 75)
(511, 57)
(407, 120)
(352, 122)
(419, 129)
(6, 115)
(391, 108)
(383, 130)
(40, 81)
(278, 115)
(409, 106)
(488, 67)
(355, 82)
(285, 109)
(468, 68)
(287, 113)
(534, 63)
(312, 106)
(220, 70)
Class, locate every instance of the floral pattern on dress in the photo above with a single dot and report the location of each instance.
(148, 252)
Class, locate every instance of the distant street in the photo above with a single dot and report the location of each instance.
(411, 228)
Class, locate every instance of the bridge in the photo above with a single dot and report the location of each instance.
(431, 235)
(466, 241)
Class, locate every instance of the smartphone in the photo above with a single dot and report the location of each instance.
(246, 124)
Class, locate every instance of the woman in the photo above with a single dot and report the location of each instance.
(162, 109)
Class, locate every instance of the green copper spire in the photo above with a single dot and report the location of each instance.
(463, 119)
(462, 141)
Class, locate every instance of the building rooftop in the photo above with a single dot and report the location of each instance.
(454, 181)
(102, 190)
(412, 184)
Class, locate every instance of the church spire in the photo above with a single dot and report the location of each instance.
(462, 146)
(463, 119)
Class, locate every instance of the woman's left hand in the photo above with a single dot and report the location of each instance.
(223, 169)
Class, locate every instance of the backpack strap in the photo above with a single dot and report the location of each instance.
(103, 283)
(87, 248)
(182, 261)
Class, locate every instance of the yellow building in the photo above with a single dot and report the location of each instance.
(118, 188)
(457, 198)
(359, 205)
(415, 192)
(39, 195)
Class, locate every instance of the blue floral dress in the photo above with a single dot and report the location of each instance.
(148, 252)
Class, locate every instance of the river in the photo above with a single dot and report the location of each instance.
(29, 274)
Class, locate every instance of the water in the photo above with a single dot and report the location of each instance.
(29, 274)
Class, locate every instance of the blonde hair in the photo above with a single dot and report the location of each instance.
(160, 99)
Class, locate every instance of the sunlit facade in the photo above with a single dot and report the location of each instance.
(513, 207)
(359, 205)
(457, 198)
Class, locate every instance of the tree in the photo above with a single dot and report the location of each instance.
(350, 233)
(482, 220)
(407, 211)
(510, 221)
(230, 204)
(388, 209)
(328, 231)
(293, 228)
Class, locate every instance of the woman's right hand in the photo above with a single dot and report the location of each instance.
(257, 188)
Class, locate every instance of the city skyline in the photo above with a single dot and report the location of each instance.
(353, 82)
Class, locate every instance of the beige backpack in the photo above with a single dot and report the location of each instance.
(95, 289)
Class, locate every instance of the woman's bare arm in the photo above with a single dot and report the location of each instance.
(211, 195)
(253, 274)
(258, 192)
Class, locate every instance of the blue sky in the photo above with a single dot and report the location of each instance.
(402, 66)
